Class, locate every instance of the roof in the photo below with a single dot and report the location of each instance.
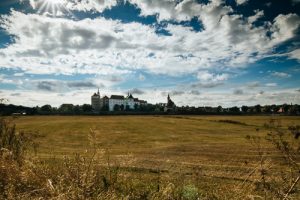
(117, 97)
(105, 97)
(95, 95)
(130, 96)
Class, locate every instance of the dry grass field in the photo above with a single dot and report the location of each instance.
(214, 149)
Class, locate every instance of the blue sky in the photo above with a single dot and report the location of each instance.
(204, 53)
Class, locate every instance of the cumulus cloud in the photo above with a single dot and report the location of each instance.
(195, 92)
(240, 2)
(281, 74)
(165, 9)
(115, 79)
(295, 54)
(48, 45)
(207, 77)
(90, 5)
(271, 84)
(238, 92)
(82, 84)
(254, 18)
(206, 85)
(253, 84)
(16, 94)
(173, 93)
(77, 5)
(136, 91)
(60, 86)
(47, 86)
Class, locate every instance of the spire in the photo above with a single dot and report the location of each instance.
(98, 92)
(168, 97)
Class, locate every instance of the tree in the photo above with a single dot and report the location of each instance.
(234, 109)
(136, 106)
(219, 109)
(275, 108)
(46, 108)
(105, 108)
(257, 108)
(66, 108)
(86, 108)
(286, 107)
(77, 109)
(122, 107)
(267, 109)
(116, 107)
(245, 109)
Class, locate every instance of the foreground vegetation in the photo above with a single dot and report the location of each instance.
(138, 157)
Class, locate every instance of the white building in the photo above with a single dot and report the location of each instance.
(115, 102)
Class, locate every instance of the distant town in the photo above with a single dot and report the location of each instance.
(122, 103)
(119, 104)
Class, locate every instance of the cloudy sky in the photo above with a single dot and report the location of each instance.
(202, 52)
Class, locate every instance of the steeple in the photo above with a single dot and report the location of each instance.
(168, 97)
(98, 93)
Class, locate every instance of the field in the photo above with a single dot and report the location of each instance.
(214, 148)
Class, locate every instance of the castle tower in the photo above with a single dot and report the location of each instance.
(95, 101)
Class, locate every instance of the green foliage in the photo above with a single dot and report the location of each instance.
(190, 192)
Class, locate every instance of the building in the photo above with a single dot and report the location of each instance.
(115, 102)
(95, 101)
(104, 103)
(170, 106)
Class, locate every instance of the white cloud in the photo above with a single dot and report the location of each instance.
(206, 77)
(48, 45)
(238, 92)
(78, 5)
(240, 2)
(281, 74)
(295, 54)
(142, 77)
(254, 18)
(271, 84)
(284, 27)
(90, 5)
(165, 9)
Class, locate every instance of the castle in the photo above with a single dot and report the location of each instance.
(115, 102)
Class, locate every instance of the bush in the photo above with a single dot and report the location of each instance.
(190, 192)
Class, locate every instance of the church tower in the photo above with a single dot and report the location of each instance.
(95, 101)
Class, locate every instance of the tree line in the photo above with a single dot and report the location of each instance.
(86, 109)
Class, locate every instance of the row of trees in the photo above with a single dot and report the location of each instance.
(46, 109)
(257, 109)
(71, 109)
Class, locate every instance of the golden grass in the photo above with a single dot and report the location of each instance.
(148, 157)
(166, 142)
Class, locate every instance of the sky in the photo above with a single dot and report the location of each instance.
(201, 52)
